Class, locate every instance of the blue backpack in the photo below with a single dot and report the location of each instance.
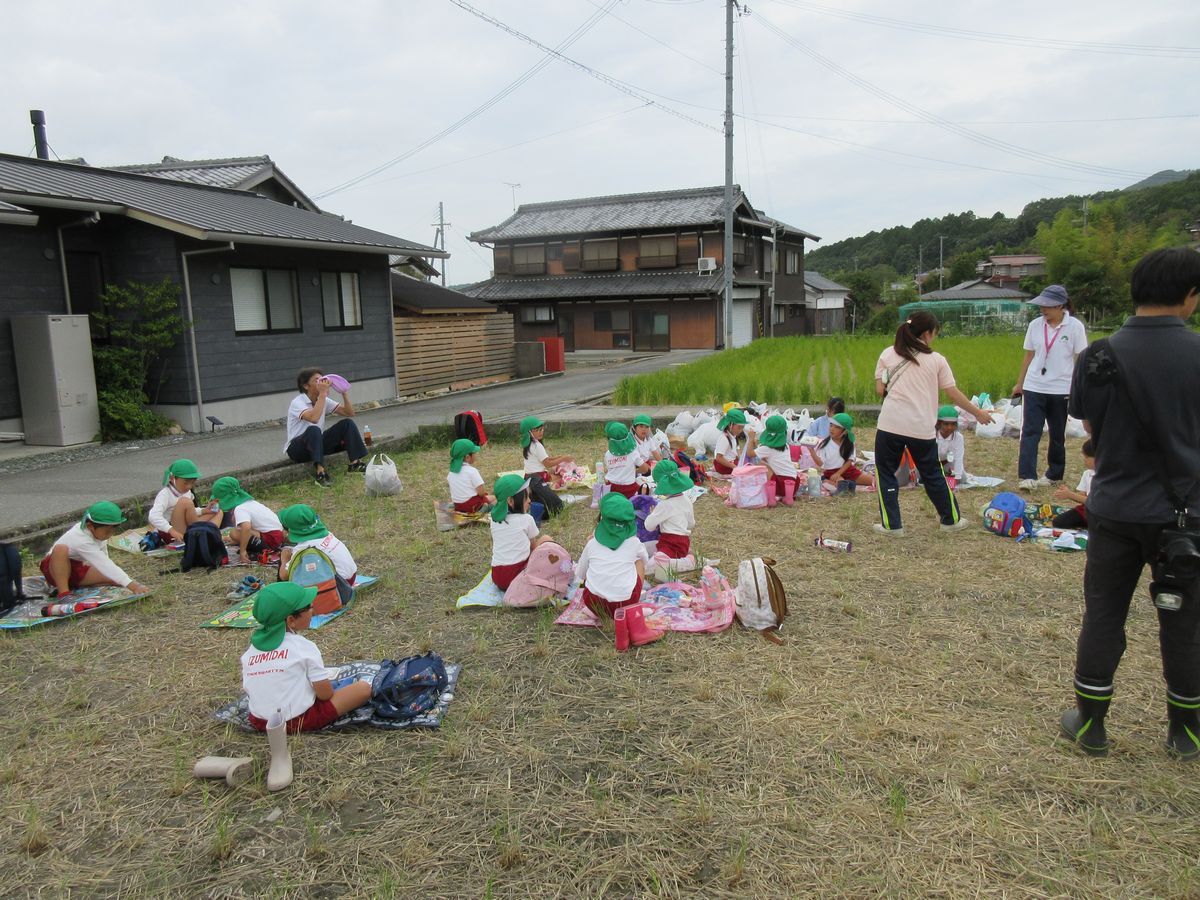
(203, 547)
(1005, 516)
(406, 688)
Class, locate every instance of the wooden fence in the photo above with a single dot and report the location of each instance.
(453, 351)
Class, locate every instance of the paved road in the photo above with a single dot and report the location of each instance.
(32, 496)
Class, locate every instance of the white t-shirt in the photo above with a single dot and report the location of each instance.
(533, 462)
(910, 407)
(673, 515)
(645, 451)
(621, 469)
(463, 483)
(511, 539)
(296, 426)
(957, 445)
(282, 678)
(727, 446)
(778, 461)
(610, 573)
(1066, 341)
(829, 455)
(82, 546)
(260, 517)
(342, 561)
(1085, 482)
(159, 516)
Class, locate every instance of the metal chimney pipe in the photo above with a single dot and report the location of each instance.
(38, 120)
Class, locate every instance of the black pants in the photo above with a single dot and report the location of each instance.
(315, 446)
(1116, 555)
(889, 450)
(1040, 410)
(1075, 517)
(544, 494)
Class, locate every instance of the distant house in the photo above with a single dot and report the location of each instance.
(269, 286)
(1007, 271)
(976, 289)
(241, 173)
(824, 304)
(642, 271)
(975, 306)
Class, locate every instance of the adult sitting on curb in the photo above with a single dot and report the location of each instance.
(307, 437)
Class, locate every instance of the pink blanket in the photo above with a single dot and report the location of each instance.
(677, 606)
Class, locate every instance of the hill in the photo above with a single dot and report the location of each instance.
(1166, 176)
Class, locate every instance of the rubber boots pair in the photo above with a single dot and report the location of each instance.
(279, 775)
(630, 622)
(234, 769)
(1183, 726)
(1084, 725)
(789, 492)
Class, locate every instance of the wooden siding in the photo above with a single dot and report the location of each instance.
(693, 324)
(452, 351)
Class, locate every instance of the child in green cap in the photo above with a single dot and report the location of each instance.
(468, 492)
(950, 445)
(539, 466)
(80, 557)
(621, 460)
(305, 529)
(647, 450)
(613, 564)
(732, 426)
(174, 507)
(514, 533)
(773, 450)
(673, 516)
(255, 525)
(836, 453)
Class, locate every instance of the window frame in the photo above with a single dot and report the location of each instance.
(741, 250)
(601, 264)
(612, 325)
(536, 267)
(341, 300)
(529, 314)
(791, 264)
(658, 260)
(264, 274)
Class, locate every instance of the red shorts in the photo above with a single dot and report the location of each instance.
(675, 546)
(503, 576)
(317, 716)
(272, 540)
(79, 570)
(780, 480)
(165, 537)
(721, 467)
(852, 473)
(625, 490)
(606, 608)
(475, 504)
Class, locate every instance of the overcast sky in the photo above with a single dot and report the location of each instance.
(334, 90)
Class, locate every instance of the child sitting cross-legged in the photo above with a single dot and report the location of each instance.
(726, 455)
(174, 507)
(255, 526)
(80, 557)
(674, 517)
(1077, 517)
(468, 493)
(613, 563)
(773, 450)
(305, 529)
(514, 533)
(950, 445)
(836, 453)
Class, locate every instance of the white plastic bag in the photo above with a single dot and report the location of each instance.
(381, 478)
(993, 430)
(1075, 428)
(682, 425)
(803, 420)
(703, 441)
(1014, 420)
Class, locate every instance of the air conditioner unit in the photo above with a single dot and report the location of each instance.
(706, 265)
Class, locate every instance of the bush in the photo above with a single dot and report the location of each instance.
(124, 417)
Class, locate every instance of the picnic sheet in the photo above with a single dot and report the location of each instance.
(241, 614)
(29, 613)
(128, 542)
(237, 712)
(448, 518)
(486, 593)
(677, 607)
(578, 478)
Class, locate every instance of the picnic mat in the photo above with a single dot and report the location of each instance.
(237, 712)
(29, 613)
(486, 593)
(241, 614)
(579, 479)
(677, 607)
(979, 481)
(448, 518)
(128, 542)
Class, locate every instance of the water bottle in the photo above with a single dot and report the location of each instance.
(367, 436)
(69, 609)
(814, 483)
(599, 470)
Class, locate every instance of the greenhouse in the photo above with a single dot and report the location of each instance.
(975, 308)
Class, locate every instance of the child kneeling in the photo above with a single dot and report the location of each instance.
(80, 557)
(514, 533)
(174, 507)
(284, 672)
(773, 450)
(613, 563)
(255, 525)
(674, 517)
(621, 460)
(468, 493)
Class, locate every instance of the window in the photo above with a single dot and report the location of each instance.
(611, 320)
(740, 250)
(554, 252)
(600, 256)
(339, 297)
(264, 300)
(529, 259)
(793, 263)
(657, 252)
(780, 314)
(537, 315)
(768, 259)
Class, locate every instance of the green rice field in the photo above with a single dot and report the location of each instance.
(806, 370)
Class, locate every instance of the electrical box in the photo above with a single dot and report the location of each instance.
(59, 406)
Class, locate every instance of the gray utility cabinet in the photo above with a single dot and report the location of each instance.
(58, 384)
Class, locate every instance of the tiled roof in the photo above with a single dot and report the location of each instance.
(976, 292)
(819, 282)
(426, 297)
(625, 284)
(204, 213)
(785, 227)
(238, 172)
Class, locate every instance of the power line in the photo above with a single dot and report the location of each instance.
(984, 121)
(661, 42)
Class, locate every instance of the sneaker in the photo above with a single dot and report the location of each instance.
(1028, 484)
(1046, 482)
(957, 526)
(359, 467)
(890, 532)
(323, 480)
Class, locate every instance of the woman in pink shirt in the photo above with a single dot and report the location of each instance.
(909, 377)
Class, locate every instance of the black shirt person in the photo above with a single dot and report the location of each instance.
(1158, 360)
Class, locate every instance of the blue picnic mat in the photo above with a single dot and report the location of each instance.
(241, 614)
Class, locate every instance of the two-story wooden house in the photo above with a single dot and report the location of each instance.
(643, 271)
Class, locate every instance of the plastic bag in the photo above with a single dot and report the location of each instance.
(1075, 428)
(993, 430)
(703, 441)
(381, 477)
(1014, 420)
(660, 442)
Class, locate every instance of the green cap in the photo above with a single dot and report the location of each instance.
(668, 480)
(620, 440)
(618, 521)
(302, 523)
(734, 417)
(228, 493)
(181, 468)
(643, 419)
(506, 486)
(947, 413)
(460, 450)
(272, 605)
(103, 513)
(846, 422)
(527, 425)
(775, 434)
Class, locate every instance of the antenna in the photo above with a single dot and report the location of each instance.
(514, 187)
(439, 238)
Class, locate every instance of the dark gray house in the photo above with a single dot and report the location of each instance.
(269, 286)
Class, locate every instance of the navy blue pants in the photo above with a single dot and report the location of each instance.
(314, 445)
(1040, 409)
(889, 450)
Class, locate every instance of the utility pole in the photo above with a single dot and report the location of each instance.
(1085, 215)
(439, 238)
(727, 268)
(514, 193)
(941, 268)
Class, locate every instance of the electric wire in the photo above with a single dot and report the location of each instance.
(661, 43)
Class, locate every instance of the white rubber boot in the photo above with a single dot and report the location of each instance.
(234, 769)
(279, 775)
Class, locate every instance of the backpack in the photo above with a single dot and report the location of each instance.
(406, 688)
(690, 467)
(749, 487)
(469, 424)
(1005, 515)
(312, 567)
(643, 505)
(11, 590)
(760, 604)
(203, 547)
(545, 578)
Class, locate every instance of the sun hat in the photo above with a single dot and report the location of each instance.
(506, 486)
(947, 413)
(642, 419)
(668, 480)
(103, 513)
(846, 421)
(618, 520)
(775, 434)
(338, 383)
(527, 425)
(460, 450)
(302, 523)
(620, 440)
(228, 493)
(733, 416)
(181, 468)
(1051, 295)
(272, 605)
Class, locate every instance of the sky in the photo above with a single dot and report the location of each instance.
(852, 116)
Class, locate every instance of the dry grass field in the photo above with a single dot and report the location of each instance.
(901, 742)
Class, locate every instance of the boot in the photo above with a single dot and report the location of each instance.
(1183, 726)
(789, 493)
(1085, 724)
(639, 632)
(772, 498)
(234, 770)
(685, 563)
(622, 629)
(279, 775)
